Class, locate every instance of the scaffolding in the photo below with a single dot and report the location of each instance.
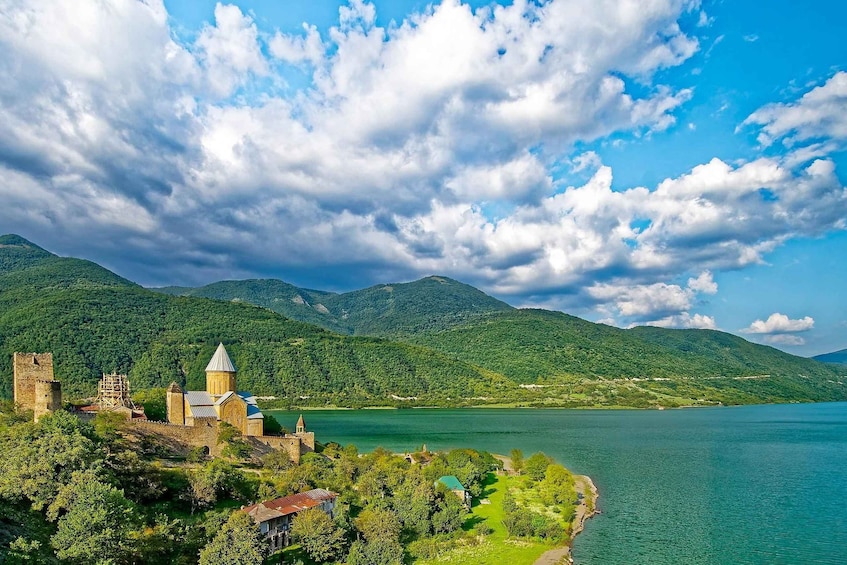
(113, 392)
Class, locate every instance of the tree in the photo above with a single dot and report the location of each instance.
(414, 502)
(154, 401)
(107, 426)
(227, 432)
(238, 542)
(23, 551)
(378, 552)
(536, 466)
(450, 514)
(277, 461)
(38, 459)
(378, 524)
(319, 536)
(557, 486)
(95, 522)
(213, 479)
(517, 460)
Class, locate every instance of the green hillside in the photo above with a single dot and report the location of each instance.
(94, 321)
(555, 349)
(292, 302)
(432, 303)
(839, 357)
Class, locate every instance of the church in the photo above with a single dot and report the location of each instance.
(220, 402)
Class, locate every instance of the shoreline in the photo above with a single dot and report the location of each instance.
(502, 407)
(585, 486)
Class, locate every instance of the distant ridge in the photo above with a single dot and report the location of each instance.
(839, 357)
(431, 303)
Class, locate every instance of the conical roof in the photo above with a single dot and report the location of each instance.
(301, 423)
(220, 361)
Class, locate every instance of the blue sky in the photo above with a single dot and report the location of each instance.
(675, 163)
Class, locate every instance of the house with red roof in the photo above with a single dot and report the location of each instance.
(274, 517)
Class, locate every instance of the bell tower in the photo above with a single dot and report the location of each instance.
(220, 373)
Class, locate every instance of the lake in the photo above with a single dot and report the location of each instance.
(750, 484)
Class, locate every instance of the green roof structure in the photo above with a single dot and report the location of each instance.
(451, 482)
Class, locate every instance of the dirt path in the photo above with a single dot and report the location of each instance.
(585, 510)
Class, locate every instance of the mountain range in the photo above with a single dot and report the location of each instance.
(435, 341)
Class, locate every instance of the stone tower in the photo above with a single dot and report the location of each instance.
(176, 405)
(48, 398)
(220, 373)
(307, 438)
(30, 368)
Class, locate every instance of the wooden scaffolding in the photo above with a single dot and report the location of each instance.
(113, 392)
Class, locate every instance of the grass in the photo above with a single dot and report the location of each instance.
(496, 547)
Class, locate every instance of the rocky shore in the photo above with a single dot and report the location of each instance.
(586, 509)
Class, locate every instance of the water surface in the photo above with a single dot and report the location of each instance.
(752, 484)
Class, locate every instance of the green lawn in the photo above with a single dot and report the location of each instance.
(494, 548)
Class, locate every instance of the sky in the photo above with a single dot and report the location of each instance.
(677, 163)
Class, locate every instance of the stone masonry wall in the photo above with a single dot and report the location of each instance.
(27, 369)
(183, 438)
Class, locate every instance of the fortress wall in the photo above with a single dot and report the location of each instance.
(183, 438)
(262, 445)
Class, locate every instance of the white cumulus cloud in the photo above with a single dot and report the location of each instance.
(685, 320)
(819, 113)
(779, 324)
(784, 339)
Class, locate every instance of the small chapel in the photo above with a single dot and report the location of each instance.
(220, 402)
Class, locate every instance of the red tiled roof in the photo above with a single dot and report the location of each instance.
(294, 503)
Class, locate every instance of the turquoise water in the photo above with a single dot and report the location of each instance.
(752, 484)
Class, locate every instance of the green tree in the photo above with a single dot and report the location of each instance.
(378, 524)
(320, 537)
(517, 460)
(557, 486)
(95, 522)
(277, 461)
(238, 542)
(154, 401)
(536, 466)
(414, 502)
(450, 513)
(227, 433)
(108, 425)
(38, 459)
(215, 478)
(378, 552)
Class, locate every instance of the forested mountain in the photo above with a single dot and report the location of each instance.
(834, 357)
(286, 299)
(428, 304)
(531, 346)
(453, 344)
(94, 321)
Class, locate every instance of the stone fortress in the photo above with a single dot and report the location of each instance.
(194, 417)
(34, 386)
